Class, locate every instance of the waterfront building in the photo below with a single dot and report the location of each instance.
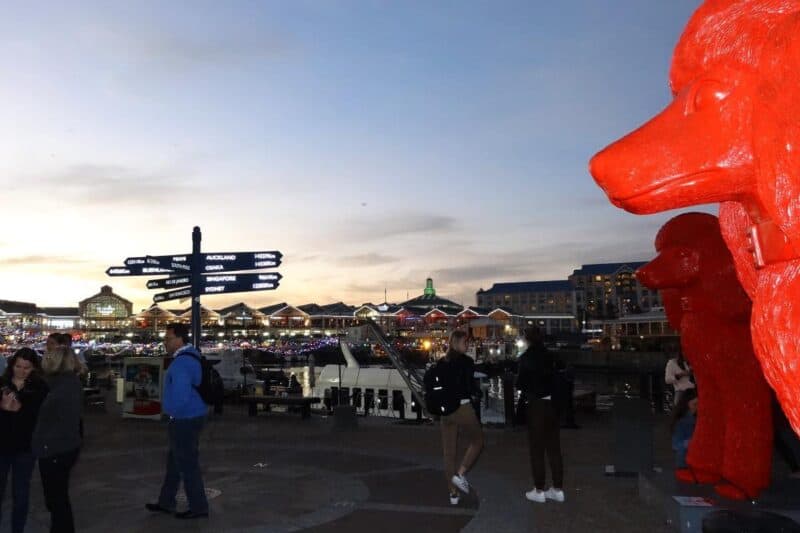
(60, 318)
(241, 317)
(649, 331)
(208, 317)
(19, 315)
(530, 297)
(105, 311)
(610, 290)
(154, 317)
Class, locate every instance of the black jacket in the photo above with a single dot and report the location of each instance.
(58, 427)
(462, 369)
(536, 374)
(17, 427)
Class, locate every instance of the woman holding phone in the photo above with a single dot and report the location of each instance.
(22, 396)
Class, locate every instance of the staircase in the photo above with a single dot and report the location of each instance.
(412, 376)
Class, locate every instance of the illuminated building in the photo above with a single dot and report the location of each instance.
(609, 290)
(105, 311)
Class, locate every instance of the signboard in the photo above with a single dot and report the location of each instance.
(222, 283)
(209, 263)
(213, 277)
(173, 295)
(137, 270)
(156, 260)
(170, 283)
(143, 379)
(169, 263)
(231, 262)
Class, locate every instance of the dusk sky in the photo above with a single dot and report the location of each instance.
(374, 143)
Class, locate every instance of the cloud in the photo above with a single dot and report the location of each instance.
(169, 51)
(365, 260)
(114, 184)
(400, 225)
(41, 260)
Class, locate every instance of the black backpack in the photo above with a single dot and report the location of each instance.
(211, 388)
(441, 390)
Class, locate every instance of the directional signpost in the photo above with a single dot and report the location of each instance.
(196, 274)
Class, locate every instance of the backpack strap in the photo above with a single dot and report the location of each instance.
(199, 361)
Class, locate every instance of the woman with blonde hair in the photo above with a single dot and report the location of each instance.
(450, 389)
(56, 440)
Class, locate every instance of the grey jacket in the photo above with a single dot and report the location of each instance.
(58, 427)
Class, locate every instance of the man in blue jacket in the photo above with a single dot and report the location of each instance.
(187, 412)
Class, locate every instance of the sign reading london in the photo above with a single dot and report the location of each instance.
(195, 274)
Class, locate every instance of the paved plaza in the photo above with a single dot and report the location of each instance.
(278, 473)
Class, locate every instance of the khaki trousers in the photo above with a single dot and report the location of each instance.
(463, 419)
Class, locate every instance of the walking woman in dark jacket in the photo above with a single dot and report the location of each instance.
(458, 373)
(56, 440)
(23, 391)
(536, 379)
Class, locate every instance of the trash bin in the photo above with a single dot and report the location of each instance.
(633, 435)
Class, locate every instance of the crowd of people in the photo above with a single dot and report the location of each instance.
(40, 420)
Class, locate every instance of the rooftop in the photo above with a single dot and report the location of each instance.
(27, 308)
(607, 268)
(529, 286)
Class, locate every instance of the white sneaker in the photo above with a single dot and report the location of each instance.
(557, 495)
(461, 482)
(536, 496)
(454, 499)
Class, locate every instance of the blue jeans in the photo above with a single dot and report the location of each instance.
(183, 464)
(21, 467)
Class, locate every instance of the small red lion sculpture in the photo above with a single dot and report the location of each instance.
(732, 135)
(704, 301)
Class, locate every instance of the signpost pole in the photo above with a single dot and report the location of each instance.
(197, 281)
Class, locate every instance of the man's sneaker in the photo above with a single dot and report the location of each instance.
(454, 499)
(536, 495)
(557, 495)
(461, 482)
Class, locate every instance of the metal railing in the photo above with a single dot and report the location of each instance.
(412, 376)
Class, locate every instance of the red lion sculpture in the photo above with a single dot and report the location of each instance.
(732, 135)
(704, 301)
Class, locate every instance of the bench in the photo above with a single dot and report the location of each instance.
(303, 402)
(93, 396)
(585, 400)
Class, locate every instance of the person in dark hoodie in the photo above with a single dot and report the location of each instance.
(455, 372)
(187, 413)
(536, 377)
(23, 391)
(56, 440)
